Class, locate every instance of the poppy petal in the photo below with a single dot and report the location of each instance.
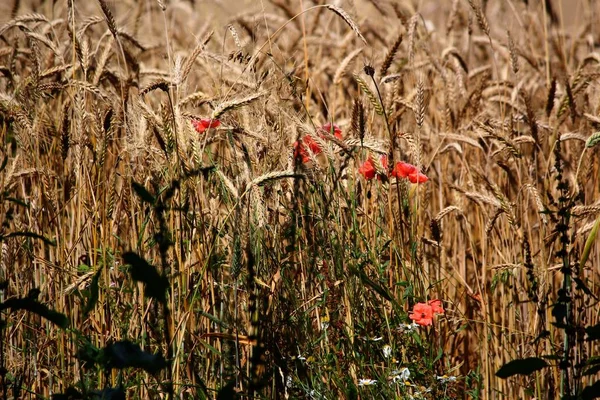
(403, 170)
(417, 177)
(367, 169)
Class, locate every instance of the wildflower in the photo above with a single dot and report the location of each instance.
(401, 375)
(368, 170)
(366, 382)
(406, 170)
(203, 124)
(300, 147)
(422, 314)
(436, 306)
(418, 177)
(387, 351)
(446, 379)
(403, 170)
(324, 322)
(333, 128)
(408, 328)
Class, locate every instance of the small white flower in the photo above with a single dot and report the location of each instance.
(446, 379)
(408, 328)
(300, 356)
(372, 339)
(366, 382)
(401, 375)
(387, 351)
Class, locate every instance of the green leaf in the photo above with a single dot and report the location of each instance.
(93, 294)
(523, 366)
(30, 304)
(439, 355)
(377, 288)
(351, 390)
(155, 285)
(142, 192)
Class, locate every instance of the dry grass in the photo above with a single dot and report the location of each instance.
(290, 279)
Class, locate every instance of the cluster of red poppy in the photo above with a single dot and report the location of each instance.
(423, 313)
(300, 146)
(201, 125)
(401, 170)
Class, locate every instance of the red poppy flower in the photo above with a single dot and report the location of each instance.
(436, 306)
(406, 170)
(422, 314)
(300, 146)
(314, 146)
(367, 169)
(203, 124)
(300, 152)
(337, 132)
(403, 170)
(417, 177)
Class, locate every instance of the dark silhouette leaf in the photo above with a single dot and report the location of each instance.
(142, 192)
(523, 366)
(592, 370)
(227, 392)
(93, 294)
(4, 162)
(90, 355)
(124, 354)
(109, 394)
(591, 392)
(30, 235)
(582, 286)
(559, 312)
(70, 394)
(17, 201)
(593, 332)
(155, 285)
(30, 304)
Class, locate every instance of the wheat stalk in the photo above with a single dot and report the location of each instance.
(236, 103)
(344, 15)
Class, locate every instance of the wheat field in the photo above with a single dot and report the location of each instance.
(299, 199)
